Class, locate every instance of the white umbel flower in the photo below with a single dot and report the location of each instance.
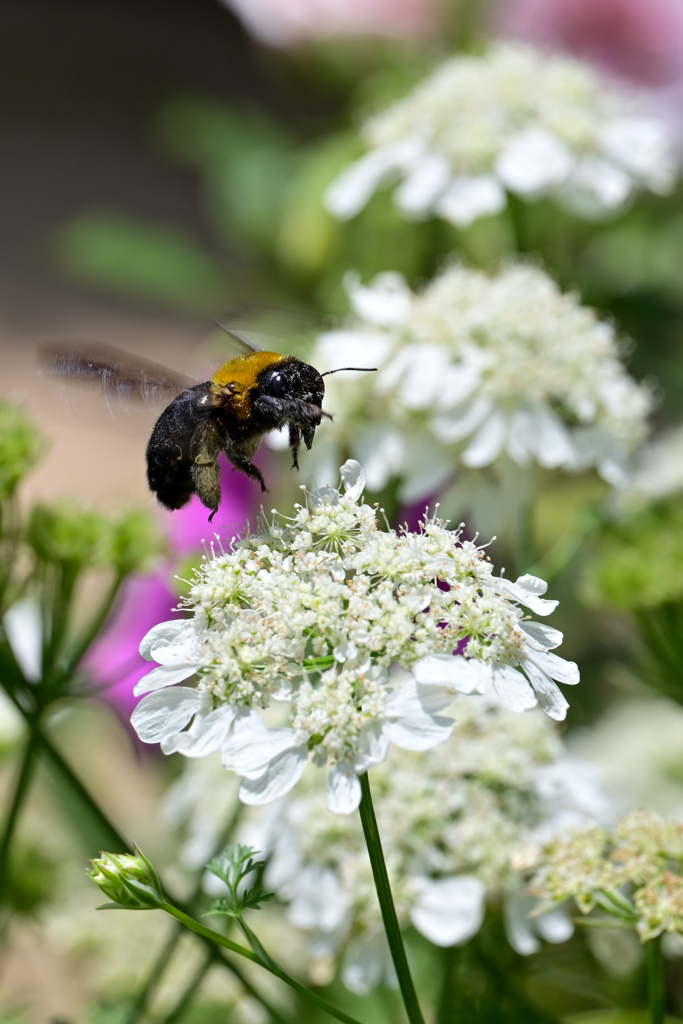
(513, 120)
(363, 636)
(472, 369)
(453, 821)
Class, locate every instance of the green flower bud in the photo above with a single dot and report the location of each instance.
(136, 542)
(21, 445)
(128, 880)
(67, 534)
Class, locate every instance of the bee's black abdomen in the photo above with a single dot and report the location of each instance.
(171, 447)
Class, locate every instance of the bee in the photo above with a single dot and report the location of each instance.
(250, 395)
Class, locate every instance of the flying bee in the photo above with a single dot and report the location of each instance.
(247, 397)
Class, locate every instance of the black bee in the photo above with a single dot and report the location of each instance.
(247, 397)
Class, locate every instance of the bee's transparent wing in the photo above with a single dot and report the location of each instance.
(119, 375)
(238, 344)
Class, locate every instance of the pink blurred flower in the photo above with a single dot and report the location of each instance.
(287, 22)
(641, 40)
(114, 662)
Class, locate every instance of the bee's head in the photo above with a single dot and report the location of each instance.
(290, 380)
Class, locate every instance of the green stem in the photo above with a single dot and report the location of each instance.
(140, 1004)
(391, 926)
(267, 963)
(655, 979)
(20, 789)
(166, 953)
(191, 989)
(112, 840)
(82, 644)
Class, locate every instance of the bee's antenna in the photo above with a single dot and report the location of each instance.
(363, 369)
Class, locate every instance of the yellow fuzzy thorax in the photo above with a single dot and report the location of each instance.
(232, 382)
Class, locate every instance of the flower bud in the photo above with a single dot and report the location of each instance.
(136, 542)
(129, 880)
(68, 535)
(21, 446)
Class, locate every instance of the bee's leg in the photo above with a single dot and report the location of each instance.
(205, 474)
(242, 462)
(294, 442)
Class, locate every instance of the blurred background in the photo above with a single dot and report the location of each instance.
(163, 165)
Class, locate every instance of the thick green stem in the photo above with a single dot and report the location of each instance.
(191, 989)
(655, 979)
(93, 629)
(264, 961)
(140, 1005)
(112, 840)
(391, 926)
(20, 789)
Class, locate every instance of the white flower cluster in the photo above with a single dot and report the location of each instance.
(471, 369)
(514, 119)
(452, 820)
(364, 636)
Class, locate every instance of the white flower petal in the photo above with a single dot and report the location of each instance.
(451, 910)
(385, 301)
(550, 442)
(380, 450)
(534, 161)
(353, 477)
(555, 926)
(343, 793)
(252, 745)
(426, 469)
(457, 385)
(23, 625)
(365, 963)
(409, 724)
(349, 193)
(353, 348)
(557, 668)
(319, 901)
(453, 672)
(372, 747)
(541, 637)
(281, 775)
(206, 734)
(161, 715)
(422, 386)
(519, 927)
(513, 689)
(549, 695)
(595, 187)
(527, 590)
(471, 197)
(487, 443)
(175, 631)
(643, 147)
(164, 675)
(460, 424)
(423, 185)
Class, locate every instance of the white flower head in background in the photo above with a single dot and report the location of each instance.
(453, 820)
(361, 636)
(472, 369)
(513, 120)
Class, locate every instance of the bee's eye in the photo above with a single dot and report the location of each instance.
(277, 384)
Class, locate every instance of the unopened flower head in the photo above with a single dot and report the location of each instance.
(452, 819)
(362, 636)
(514, 119)
(129, 880)
(474, 368)
(632, 873)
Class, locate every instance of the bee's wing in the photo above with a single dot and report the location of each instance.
(119, 375)
(239, 344)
